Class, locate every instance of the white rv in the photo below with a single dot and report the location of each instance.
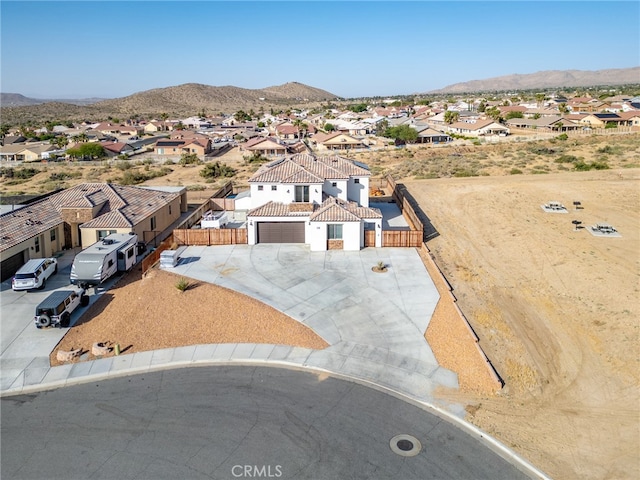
(96, 263)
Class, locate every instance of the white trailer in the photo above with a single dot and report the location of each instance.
(100, 261)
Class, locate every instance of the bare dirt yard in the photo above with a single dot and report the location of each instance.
(557, 311)
(150, 313)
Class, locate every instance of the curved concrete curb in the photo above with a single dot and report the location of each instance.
(490, 442)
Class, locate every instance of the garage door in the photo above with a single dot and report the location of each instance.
(280, 232)
(11, 265)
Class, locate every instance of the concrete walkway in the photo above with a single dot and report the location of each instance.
(373, 322)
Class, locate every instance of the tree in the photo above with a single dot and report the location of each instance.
(188, 159)
(402, 133)
(164, 116)
(328, 127)
(494, 113)
(451, 117)
(540, 99)
(514, 115)
(87, 151)
(562, 108)
(242, 116)
(60, 141)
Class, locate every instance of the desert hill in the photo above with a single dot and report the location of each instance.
(547, 79)
(181, 100)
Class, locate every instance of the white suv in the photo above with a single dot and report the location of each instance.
(34, 274)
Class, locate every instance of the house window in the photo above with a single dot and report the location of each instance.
(53, 235)
(334, 184)
(260, 188)
(356, 180)
(153, 223)
(37, 245)
(274, 188)
(334, 232)
(104, 233)
(302, 193)
(169, 209)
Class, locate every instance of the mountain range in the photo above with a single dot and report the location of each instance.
(193, 98)
(547, 79)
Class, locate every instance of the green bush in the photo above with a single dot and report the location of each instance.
(563, 137)
(515, 171)
(566, 159)
(216, 170)
(182, 284)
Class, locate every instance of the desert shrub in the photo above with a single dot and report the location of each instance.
(216, 170)
(169, 162)
(515, 171)
(255, 158)
(566, 159)
(465, 173)
(182, 284)
(538, 150)
(581, 166)
(563, 137)
(189, 159)
(24, 173)
(538, 172)
(195, 188)
(123, 165)
(62, 176)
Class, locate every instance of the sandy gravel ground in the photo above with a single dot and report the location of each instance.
(150, 313)
(556, 311)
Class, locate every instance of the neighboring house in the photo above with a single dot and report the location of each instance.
(82, 215)
(199, 146)
(479, 128)
(27, 153)
(600, 120)
(158, 126)
(13, 139)
(322, 201)
(631, 118)
(266, 146)
(113, 149)
(336, 141)
(427, 134)
(556, 123)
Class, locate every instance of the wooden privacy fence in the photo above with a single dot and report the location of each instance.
(211, 236)
(151, 259)
(401, 238)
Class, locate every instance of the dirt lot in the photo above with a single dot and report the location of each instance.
(150, 313)
(556, 310)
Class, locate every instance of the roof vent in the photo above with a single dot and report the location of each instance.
(108, 241)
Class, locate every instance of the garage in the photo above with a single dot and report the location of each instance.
(11, 265)
(281, 232)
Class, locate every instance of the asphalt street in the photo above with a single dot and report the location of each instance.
(234, 422)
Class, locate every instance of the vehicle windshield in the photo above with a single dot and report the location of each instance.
(21, 276)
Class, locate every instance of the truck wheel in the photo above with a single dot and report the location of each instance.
(43, 321)
(84, 300)
(55, 270)
(65, 320)
(44, 282)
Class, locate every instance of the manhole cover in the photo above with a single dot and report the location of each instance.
(405, 445)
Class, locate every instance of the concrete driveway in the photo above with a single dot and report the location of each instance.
(374, 322)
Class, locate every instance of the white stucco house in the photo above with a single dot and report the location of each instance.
(322, 201)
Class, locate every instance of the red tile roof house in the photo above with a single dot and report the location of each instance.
(267, 146)
(322, 201)
(336, 141)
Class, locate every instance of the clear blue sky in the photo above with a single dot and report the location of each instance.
(78, 49)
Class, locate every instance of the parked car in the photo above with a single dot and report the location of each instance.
(34, 274)
(56, 309)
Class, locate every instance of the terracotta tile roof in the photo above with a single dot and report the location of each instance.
(276, 209)
(319, 168)
(122, 207)
(335, 210)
